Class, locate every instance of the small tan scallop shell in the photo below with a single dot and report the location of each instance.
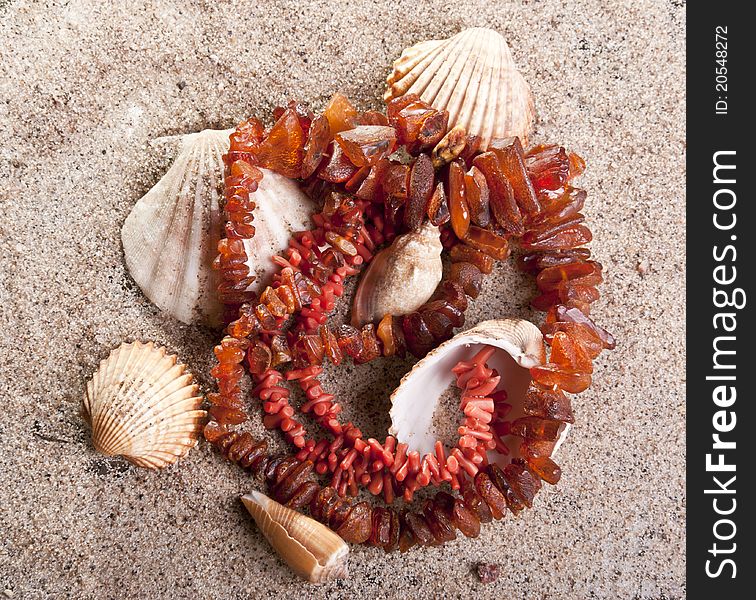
(473, 76)
(170, 238)
(312, 550)
(401, 277)
(142, 405)
(414, 401)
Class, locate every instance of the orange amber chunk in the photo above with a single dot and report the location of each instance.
(576, 273)
(438, 208)
(385, 333)
(501, 196)
(581, 334)
(570, 355)
(340, 113)
(421, 181)
(464, 253)
(546, 469)
(476, 192)
(367, 144)
(551, 374)
(283, 149)
(458, 209)
(488, 242)
(512, 160)
(317, 142)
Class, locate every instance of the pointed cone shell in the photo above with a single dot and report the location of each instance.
(414, 402)
(170, 238)
(311, 549)
(473, 76)
(142, 405)
(400, 278)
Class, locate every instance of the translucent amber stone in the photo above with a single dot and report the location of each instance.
(501, 195)
(575, 273)
(512, 160)
(349, 340)
(386, 334)
(523, 483)
(549, 404)
(367, 144)
(581, 334)
(439, 523)
(548, 166)
(338, 168)
(492, 495)
(476, 193)
(487, 241)
(577, 165)
(468, 276)
(358, 525)
(569, 354)
(559, 239)
(340, 113)
(536, 428)
(438, 208)
(551, 374)
(418, 337)
(474, 501)
(421, 183)
(538, 261)
(464, 253)
(395, 181)
(573, 315)
(283, 150)
(458, 209)
(317, 142)
(560, 205)
(546, 469)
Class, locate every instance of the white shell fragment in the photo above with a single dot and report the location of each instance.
(170, 238)
(142, 405)
(473, 76)
(414, 402)
(401, 277)
(312, 550)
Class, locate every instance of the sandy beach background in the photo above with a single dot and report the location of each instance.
(85, 86)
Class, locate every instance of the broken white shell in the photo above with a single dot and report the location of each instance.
(401, 277)
(311, 549)
(170, 238)
(414, 402)
(142, 405)
(473, 76)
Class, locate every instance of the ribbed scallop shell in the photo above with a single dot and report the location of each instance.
(311, 549)
(143, 406)
(401, 277)
(414, 401)
(170, 238)
(473, 76)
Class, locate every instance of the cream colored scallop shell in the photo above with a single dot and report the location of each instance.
(473, 76)
(401, 277)
(311, 549)
(170, 238)
(143, 406)
(414, 401)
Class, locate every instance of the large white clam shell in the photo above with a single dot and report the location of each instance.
(311, 549)
(142, 405)
(170, 238)
(414, 401)
(473, 76)
(401, 277)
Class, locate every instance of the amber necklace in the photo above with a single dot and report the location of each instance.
(370, 194)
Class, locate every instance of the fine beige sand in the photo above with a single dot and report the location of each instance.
(85, 86)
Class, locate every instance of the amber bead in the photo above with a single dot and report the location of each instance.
(491, 495)
(338, 168)
(537, 261)
(227, 416)
(573, 315)
(439, 523)
(523, 483)
(318, 138)
(395, 180)
(546, 469)
(418, 525)
(501, 195)
(330, 345)
(581, 334)
(474, 501)
(548, 166)
(476, 193)
(450, 147)
(421, 183)
(371, 348)
(561, 239)
(358, 525)
(453, 293)
(294, 477)
(322, 504)
(468, 276)
(438, 207)
(394, 532)
(577, 295)
(381, 530)
(259, 358)
(395, 106)
(487, 241)
(465, 519)
(340, 113)
(418, 337)
(464, 253)
(577, 165)
(438, 322)
(400, 343)
(418, 124)
(371, 184)
(367, 144)
(512, 161)
(567, 353)
(458, 209)
(385, 333)
(282, 150)
(536, 428)
(575, 273)
(372, 117)
(560, 205)
(246, 136)
(551, 374)
(431, 133)
(406, 539)
(549, 404)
